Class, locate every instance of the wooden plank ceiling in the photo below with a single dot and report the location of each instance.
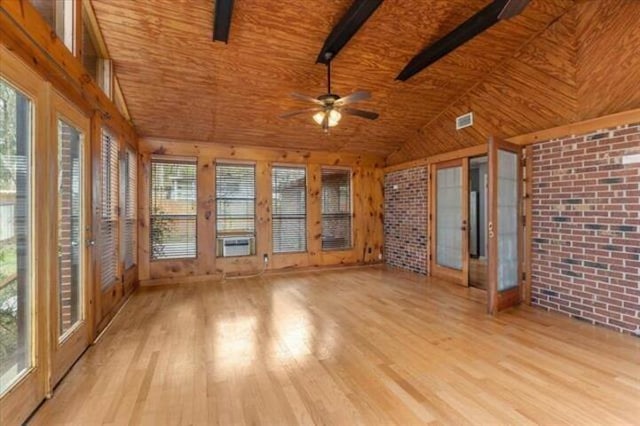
(178, 84)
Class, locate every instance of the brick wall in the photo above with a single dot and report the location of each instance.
(405, 219)
(586, 228)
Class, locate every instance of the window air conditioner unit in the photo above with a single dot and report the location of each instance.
(236, 246)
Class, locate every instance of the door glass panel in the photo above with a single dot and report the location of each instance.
(69, 226)
(449, 217)
(15, 233)
(507, 220)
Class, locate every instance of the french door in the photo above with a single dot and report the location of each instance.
(505, 225)
(22, 233)
(71, 276)
(450, 207)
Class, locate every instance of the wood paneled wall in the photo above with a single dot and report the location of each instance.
(584, 65)
(25, 33)
(367, 194)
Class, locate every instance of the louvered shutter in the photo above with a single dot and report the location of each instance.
(336, 209)
(289, 209)
(173, 207)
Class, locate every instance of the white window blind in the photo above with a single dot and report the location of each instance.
(289, 209)
(173, 207)
(235, 199)
(109, 218)
(129, 184)
(336, 209)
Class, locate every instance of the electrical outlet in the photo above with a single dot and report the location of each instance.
(266, 258)
(379, 256)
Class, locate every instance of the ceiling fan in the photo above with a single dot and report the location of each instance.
(330, 107)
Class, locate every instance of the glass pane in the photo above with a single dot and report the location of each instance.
(507, 220)
(90, 55)
(59, 16)
(336, 209)
(289, 209)
(173, 208)
(235, 199)
(128, 188)
(109, 211)
(15, 230)
(449, 218)
(69, 226)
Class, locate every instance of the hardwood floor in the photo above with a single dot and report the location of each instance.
(355, 346)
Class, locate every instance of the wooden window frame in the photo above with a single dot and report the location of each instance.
(104, 71)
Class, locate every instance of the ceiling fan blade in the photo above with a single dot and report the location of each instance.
(299, 111)
(306, 98)
(360, 95)
(513, 8)
(369, 115)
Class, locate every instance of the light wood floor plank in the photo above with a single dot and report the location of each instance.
(357, 346)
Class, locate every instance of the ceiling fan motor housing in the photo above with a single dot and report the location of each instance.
(329, 98)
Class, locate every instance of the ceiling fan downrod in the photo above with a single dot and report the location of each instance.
(328, 56)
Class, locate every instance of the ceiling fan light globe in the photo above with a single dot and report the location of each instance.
(334, 117)
(318, 117)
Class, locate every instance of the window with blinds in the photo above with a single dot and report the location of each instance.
(129, 183)
(336, 209)
(173, 207)
(235, 209)
(289, 209)
(109, 210)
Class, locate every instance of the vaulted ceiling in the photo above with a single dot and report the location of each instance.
(178, 84)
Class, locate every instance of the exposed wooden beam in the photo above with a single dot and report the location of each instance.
(347, 27)
(477, 24)
(222, 20)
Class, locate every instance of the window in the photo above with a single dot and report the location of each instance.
(94, 58)
(16, 284)
(60, 15)
(336, 209)
(289, 207)
(129, 185)
(109, 215)
(70, 226)
(235, 208)
(173, 207)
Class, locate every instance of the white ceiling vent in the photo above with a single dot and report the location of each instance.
(465, 120)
